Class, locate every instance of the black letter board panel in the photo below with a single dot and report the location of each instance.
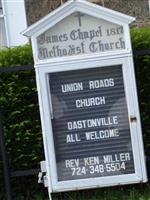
(90, 123)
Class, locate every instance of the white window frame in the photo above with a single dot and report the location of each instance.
(3, 16)
(15, 21)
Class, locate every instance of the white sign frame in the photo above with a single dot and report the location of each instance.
(123, 57)
(135, 127)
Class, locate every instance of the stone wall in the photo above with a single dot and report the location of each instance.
(136, 8)
(36, 9)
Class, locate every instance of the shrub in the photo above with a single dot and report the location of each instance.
(17, 56)
(141, 40)
(18, 101)
(19, 104)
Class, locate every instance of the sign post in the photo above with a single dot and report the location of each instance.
(87, 95)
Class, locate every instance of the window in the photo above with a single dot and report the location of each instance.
(3, 42)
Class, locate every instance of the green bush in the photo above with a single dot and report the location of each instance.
(19, 104)
(141, 40)
(16, 57)
(18, 101)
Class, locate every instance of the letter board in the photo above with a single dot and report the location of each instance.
(90, 123)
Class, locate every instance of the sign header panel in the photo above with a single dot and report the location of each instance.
(80, 34)
(90, 125)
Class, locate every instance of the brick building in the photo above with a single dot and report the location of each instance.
(36, 9)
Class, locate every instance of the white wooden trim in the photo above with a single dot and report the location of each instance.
(96, 183)
(134, 111)
(38, 81)
(15, 21)
(137, 113)
(136, 136)
(34, 50)
(73, 60)
(70, 59)
(104, 55)
(5, 22)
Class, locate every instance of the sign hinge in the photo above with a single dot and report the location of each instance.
(42, 176)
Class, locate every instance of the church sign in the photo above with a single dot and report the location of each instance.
(73, 36)
(87, 96)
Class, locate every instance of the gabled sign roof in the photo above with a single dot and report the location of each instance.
(76, 6)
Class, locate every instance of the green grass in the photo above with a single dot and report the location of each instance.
(118, 193)
(27, 188)
(136, 192)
